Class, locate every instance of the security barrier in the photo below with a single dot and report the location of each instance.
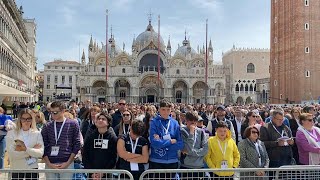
(283, 173)
(76, 174)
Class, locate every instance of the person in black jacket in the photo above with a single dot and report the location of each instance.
(117, 116)
(100, 148)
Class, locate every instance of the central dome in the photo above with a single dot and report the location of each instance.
(147, 36)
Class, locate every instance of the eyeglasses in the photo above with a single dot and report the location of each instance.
(310, 120)
(55, 112)
(26, 120)
(126, 114)
(255, 116)
(122, 104)
(254, 132)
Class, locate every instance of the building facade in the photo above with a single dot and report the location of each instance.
(295, 49)
(243, 67)
(40, 84)
(17, 54)
(60, 80)
(134, 76)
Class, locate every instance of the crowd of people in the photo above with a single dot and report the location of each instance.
(137, 137)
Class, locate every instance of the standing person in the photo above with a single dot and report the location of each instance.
(195, 147)
(237, 123)
(308, 138)
(24, 145)
(165, 139)
(277, 138)
(100, 147)
(253, 154)
(124, 126)
(251, 120)
(6, 125)
(223, 152)
(221, 116)
(133, 150)
(117, 116)
(61, 139)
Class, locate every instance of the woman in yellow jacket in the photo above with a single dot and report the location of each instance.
(223, 152)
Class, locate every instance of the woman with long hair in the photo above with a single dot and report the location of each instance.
(25, 145)
(40, 119)
(251, 120)
(88, 123)
(124, 126)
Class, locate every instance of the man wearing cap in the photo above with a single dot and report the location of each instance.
(221, 116)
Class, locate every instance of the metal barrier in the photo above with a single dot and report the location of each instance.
(75, 174)
(283, 173)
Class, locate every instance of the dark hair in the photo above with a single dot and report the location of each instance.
(307, 109)
(165, 103)
(58, 104)
(246, 121)
(221, 124)
(191, 116)
(247, 131)
(137, 127)
(108, 116)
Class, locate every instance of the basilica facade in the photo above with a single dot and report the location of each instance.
(134, 76)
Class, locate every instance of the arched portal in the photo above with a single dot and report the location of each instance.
(180, 91)
(248, 100)
(98, 90)
(240, 100)
(150, 90)
(199, 92)
(122, 89)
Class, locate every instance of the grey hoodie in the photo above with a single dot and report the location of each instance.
(195, 150)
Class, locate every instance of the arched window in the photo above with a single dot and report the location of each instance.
(178, 96)
(251, 88)
(178, 71)
(246, 89)
(250, 68)
(241, 87)
(122, 94)
(102, 70)
(123, 70)
(237, 88)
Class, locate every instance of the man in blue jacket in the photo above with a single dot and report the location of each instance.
(165, 140)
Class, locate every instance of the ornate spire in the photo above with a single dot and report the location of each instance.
(91, 43)
(185, 42)
(169, 44)
(210, 46)
(83, 58)
(134, 41)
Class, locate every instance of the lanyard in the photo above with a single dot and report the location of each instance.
(124, 129)
(133, 148)
(258, 151)
(281, 134)
(311, 135)
(55, 130)
(225, 148)
(166, 129)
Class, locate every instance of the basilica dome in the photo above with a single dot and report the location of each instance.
(185, 50)
(147, 36)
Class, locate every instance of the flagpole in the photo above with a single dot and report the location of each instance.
(106, 55)
(159, 53)
(206, 91)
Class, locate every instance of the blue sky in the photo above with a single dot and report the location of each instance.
(62, 24)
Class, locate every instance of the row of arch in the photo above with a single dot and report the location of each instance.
(246, 88)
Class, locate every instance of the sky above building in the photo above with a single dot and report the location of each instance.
(65, 26)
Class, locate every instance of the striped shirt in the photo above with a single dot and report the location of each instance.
(69, 141)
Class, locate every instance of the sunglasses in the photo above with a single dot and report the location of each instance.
(310, 120)
(122, 104)
(126, 114)
(55, 112)
(26, 120)
(255, 116)
(254, 132)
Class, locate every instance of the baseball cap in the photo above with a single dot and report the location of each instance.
(221, 107)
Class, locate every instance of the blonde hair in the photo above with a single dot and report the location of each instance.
(41, 116)
(68, 115)
(33, 122)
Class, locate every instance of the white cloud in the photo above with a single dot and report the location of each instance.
(68, 13)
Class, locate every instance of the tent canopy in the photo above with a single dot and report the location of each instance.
(9, 91)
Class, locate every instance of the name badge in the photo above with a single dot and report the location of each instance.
(54, 151)
(167, 136)
(104, 144)
(285, 143)
(31, 160)
(134, 166)
(224, 164)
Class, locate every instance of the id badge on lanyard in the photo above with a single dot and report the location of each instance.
(166, 131)
(134, 166)
(55, 149)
